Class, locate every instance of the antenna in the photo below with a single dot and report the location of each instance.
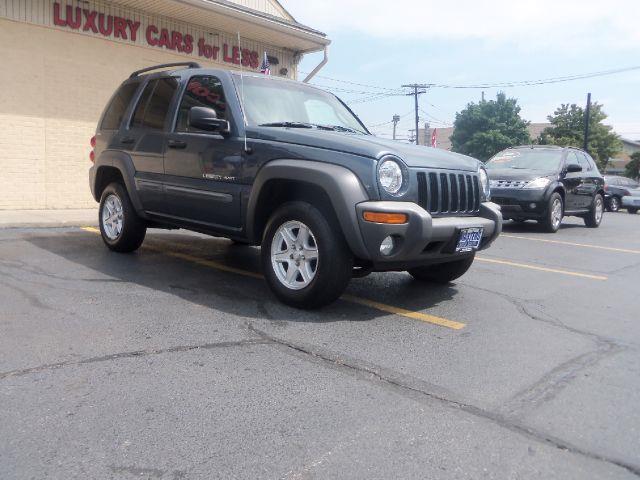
(244, 116)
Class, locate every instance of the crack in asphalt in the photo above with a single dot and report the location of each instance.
(553, 382)
(400, 383)
(132, 354)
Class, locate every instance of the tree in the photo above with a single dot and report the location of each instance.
(632, 169)
(483, 129)
(567, 130)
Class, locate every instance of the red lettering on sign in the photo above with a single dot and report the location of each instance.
(119, 28)
(188, 44)
(151, 31)
(56, 16)
(133, 29)
(105, 29)
(90, 21)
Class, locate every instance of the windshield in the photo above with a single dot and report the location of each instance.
(289, 104)
(530, 159)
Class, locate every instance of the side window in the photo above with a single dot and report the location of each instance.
(590, 162)
(582, 160)
(115, 111)
(201, 91)
(153, 107)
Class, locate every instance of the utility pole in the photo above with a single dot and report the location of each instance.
(396, 119)
(418, 89)
(587, 115)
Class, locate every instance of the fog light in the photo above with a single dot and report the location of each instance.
(532, 206)
(387, 245)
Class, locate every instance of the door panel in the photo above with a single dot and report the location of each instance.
(573, 184)
(203, 169)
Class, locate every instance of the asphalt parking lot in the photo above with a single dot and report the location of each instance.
(177, 363)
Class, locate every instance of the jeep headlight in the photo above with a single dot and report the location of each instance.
(390, 176)
(484, 183)
(538, 183)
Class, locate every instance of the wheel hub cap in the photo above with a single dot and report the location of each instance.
(599, 209)
(294, 255)
(556, 213)
(112, 217)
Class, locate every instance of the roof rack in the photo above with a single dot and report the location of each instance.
(165, 65)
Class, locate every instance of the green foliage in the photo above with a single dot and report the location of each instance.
(567, 130)
(483, 129)
(632, 169)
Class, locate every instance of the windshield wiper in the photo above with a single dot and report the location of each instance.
(340, 128)
(287, 124)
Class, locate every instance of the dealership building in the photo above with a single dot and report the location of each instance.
(62, 60)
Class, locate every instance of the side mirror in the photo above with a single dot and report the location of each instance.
(204, 118)
(573, 168)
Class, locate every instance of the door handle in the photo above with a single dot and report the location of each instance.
(177, 144)
(127, 140)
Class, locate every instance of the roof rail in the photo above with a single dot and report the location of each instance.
(165, 65)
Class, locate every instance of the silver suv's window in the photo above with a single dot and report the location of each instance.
(201, 91)
(115, 111)
(153, 106)
(269, 101)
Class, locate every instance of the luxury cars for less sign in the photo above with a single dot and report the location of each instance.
(111, 26)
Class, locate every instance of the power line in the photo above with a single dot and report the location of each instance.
(543, 81)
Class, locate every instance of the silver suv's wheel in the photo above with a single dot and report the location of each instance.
(294, 255)
(305, 257)
(112, 219)
(121, 228)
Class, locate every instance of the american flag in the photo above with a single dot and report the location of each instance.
(266, 66)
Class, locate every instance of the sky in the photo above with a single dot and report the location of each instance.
(383, 45)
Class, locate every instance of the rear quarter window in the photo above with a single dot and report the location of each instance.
(116, 109)
(153, 106)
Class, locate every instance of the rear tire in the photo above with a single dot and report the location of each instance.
(596, 212)
(305, 258)
(632, 211)
(442, 272)
(121, 228)
(555, 211)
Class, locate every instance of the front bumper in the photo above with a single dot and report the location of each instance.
(424, 239)
(521, 203)
(630, 201)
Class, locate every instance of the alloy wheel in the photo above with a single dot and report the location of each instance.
(599, 209)
(614, 204)
(112, 217)
(556, 213)
(294, 255)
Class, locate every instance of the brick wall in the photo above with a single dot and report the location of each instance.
(54, 85)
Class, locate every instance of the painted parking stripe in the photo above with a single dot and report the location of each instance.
(541, 269)
(571, 244)
(423, 317)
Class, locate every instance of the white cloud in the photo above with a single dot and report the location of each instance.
(542, 23)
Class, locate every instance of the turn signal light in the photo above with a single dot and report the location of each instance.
(380, 217)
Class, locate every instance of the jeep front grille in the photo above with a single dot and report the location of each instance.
(441, 193)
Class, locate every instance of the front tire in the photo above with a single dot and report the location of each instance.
(305, 259)
(121, 229)
(553, 218)
(596, 212)
(442, 272)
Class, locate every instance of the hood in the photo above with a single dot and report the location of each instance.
(517, 174)
(367, 146)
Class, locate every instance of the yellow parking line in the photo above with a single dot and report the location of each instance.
(560, 242)
(423, 317)
(541, 269)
